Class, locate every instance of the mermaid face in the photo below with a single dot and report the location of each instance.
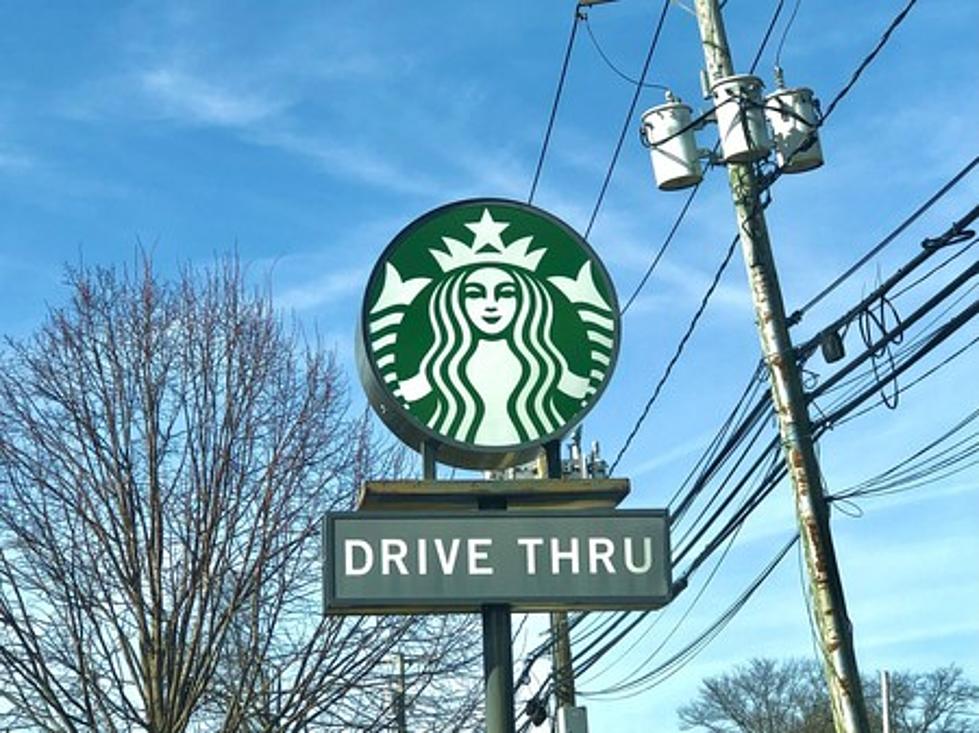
(489, 297)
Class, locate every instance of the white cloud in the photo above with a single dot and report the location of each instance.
(191, 98)
(323, 290)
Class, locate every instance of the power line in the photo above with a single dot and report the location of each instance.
(907, 323)
(785, 33)
(775, 471)
(661, 251)
(768, 34)
(554, 106)
(720, 456)
(924, 466)
(754, 500)
(679, 351)
(693, 192)
(898, 19)
(672, 665)
(777, 173)
(957, 233)
(612, 66)
(628, 118)
(855, 384)
(938, 337)
(589, 663)
(798, 314)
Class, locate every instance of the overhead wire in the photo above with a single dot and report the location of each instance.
(785, 33)
(628, 118)
(837, 421)
(586, 665)
(712, 460)
(608, 62)
(922, 467)
(656, 260)
(869, 59)
(846, 388)
(940, 335)
(963, 458)
(672, 665)
(855, 76)
(768, 33)
(661, 251)
(797, 315)
(554, 105)
(715, 281)
(696, 122)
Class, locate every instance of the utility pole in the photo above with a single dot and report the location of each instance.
(788, 397)
(560, 634)
(885, 701)
(400, 718)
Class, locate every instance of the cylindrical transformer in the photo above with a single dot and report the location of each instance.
(792, 115)
(668, 131)
(740, 118)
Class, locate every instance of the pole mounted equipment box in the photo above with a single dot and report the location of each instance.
(739, 109)
(667, 130)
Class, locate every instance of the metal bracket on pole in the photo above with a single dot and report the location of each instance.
(429, 449)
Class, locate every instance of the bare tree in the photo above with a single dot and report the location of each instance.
(166, 452)
(762, 696)
(773, 696)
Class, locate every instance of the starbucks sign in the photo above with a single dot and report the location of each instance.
(489, 327)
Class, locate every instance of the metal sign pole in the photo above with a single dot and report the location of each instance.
(497, 643)
(498, 669)
(497, 656)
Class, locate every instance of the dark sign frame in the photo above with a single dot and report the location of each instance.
(334, 605)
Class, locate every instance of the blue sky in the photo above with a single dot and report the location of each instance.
(306, 135)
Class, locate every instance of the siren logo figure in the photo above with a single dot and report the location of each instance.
(485, 341)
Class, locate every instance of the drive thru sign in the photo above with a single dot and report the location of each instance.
(392, 562)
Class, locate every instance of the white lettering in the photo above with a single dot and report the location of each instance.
(475, 555)
(558, 555)
(530, 545)
(447, 559)
(393, 552)
(350, 567)
(601, 554)
(647, 563)
(422, 557)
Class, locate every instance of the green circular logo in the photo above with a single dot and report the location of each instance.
(489, 327)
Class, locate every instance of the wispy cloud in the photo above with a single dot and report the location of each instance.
(323, 290)
(188, 97)
(15, 161)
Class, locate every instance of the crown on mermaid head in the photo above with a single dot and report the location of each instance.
(487, 248)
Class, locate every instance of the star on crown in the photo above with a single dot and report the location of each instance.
(487, 248)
